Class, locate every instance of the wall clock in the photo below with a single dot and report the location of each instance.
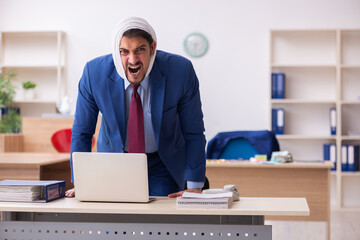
(195, 44)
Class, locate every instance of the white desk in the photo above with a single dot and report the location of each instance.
(70, 219)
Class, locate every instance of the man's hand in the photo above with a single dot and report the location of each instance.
(70, 193)
(179, 194)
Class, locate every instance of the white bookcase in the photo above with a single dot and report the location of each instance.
(322, 69)
(38, 57)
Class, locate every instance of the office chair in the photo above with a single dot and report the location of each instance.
(61, 140)
(242, 145)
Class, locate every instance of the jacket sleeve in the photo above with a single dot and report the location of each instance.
(86, 116)
(192, 126)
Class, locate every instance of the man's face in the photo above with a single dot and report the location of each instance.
(135, 56)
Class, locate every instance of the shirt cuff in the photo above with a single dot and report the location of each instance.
(191, 184)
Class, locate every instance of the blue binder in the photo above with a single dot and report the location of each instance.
(344, 158)
(332, 118)
(278, 120)
(278, 85)
(330, 154)
(353, 158)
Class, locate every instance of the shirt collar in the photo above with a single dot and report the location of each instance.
(144, 83)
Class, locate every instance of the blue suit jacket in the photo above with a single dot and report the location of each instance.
(175, 111)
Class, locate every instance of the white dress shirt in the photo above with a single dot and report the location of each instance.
(150, 143)
(144, 93)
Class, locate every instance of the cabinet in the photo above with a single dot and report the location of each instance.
(38, 57)
(322, 69)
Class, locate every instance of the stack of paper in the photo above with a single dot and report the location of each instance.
(31, 191)
(281, 157)
(25, 193)
(205, 200)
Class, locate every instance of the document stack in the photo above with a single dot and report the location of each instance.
(281, 157)
(31, 191)
(205, 200)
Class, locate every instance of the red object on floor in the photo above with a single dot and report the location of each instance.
(61, 140)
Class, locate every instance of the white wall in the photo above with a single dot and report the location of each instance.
(234, 74)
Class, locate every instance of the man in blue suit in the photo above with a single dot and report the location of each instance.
(171, 109)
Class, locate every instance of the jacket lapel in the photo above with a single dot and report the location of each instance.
(157, 86)
(117, 93)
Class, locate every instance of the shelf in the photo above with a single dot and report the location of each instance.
(311, 84)
(350, 48)
(350, 174)
(302, 66)
(297, 48)
(35, 101)
(322, 70)
(32, 48)
(350, 102)
(302, 101)
(306, 120)
(304, 137)
(31, 34)
(350, 115)
(37, 67)
(350, 84)
(303, 30)
(350, 66)
(347, 137)
(37, 56)
(345, 209)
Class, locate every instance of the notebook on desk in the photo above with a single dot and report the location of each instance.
(110, 177)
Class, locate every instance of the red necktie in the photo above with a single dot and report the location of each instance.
(136, 135)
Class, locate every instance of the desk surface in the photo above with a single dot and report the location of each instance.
(166, 206)
(247, 164)
(39, 159)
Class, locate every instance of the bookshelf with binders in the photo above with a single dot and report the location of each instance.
(321, 100)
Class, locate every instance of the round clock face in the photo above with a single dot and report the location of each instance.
(195, 44)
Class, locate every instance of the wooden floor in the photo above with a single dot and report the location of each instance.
(344, 225)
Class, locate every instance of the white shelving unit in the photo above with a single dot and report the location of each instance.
(38, 57)
(322, 69)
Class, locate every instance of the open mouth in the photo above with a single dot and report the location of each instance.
(134, 69)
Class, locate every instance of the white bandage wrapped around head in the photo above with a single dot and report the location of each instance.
(118, 32)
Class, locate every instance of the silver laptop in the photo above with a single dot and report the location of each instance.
(110, 177)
